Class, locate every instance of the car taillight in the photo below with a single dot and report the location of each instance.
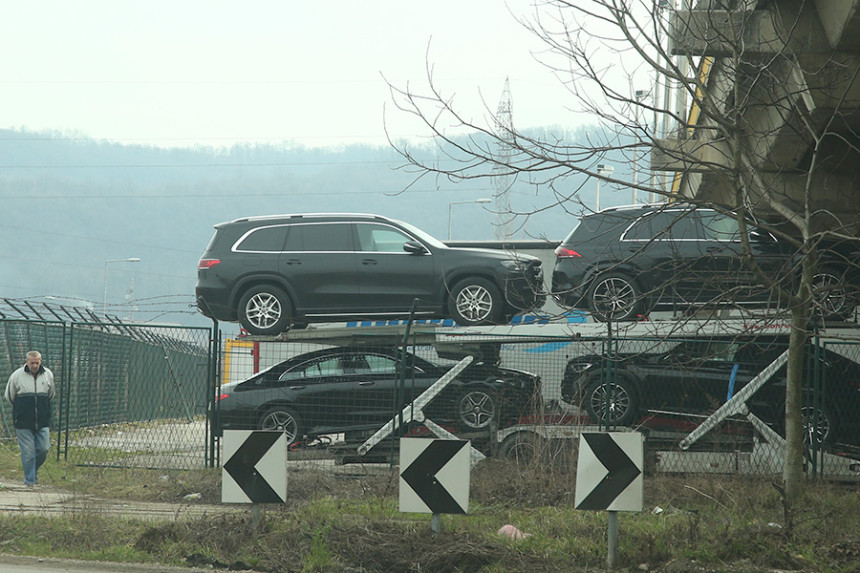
(208, 263)
(220, 397)
(565, 253)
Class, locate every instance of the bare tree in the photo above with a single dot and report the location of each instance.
(751, 111)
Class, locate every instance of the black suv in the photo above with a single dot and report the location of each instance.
(621, 263)
(696, 376)
(270, 273)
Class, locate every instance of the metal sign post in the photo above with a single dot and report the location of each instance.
(609, 477)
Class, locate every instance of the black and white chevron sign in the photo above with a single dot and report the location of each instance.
(434, 475)
(256, 467)
(609, 471)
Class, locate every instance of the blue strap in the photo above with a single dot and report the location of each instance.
(732, 382)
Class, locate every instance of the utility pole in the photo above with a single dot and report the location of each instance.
(501, 171)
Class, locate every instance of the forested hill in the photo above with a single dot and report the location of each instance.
(71, 203)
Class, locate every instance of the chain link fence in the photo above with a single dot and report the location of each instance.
(334, 397)
(17, 337)
(142, 396)
(127, 395)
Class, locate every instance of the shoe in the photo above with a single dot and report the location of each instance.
(29, 485)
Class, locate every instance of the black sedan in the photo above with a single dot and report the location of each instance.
(696, 377)
(345, 389)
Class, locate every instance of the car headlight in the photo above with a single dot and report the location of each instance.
(578, 369)
(514, 265)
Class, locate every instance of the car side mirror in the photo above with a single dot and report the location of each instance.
(414, 248)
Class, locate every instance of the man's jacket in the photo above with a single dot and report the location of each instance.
(30, 398)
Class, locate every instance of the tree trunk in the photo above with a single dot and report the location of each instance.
(793, 477)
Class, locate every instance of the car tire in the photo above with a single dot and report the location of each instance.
(283, 420)
(832, 295)
(819, 427)
(623, 402)
(522, 448)
(615, 296)
(476, 301)
(265, 310)
(477, 408)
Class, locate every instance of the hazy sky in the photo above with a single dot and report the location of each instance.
(211, 72)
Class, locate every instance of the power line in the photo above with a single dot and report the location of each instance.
(246, 195)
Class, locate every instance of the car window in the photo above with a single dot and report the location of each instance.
(354, 364)
(381, 238)
(603, 226)
(719, 227)
(307, 371)
(263, 240)
(323, 237)
(664, 226)
(382, 364)
(711, 350)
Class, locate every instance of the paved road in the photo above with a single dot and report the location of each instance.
(48, 500)
(16, 564)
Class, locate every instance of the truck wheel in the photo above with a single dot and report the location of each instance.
(523, 448)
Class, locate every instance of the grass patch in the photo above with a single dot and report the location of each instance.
(331, 524)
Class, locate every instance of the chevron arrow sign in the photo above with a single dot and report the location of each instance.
(434, 475)
(256, 467)
(609, 471)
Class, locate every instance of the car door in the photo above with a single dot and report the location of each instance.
(319, 265)
(734, 280)
(338, 391)
(345, 390)
(383, 389)
(692, 377)
(314, 390)
(390, 277)
(664, 246)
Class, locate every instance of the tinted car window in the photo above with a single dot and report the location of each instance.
(315, 369)
(327, 237)
(720, 350)
(664, 226)
(596, 228)
(263, 239)
(354, 364)
(719, 227)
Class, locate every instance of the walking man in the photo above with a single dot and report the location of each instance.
(30, 390)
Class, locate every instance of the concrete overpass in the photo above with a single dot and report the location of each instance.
(787, 73)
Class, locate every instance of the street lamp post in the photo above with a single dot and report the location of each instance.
(104, 300)
(639, 95)
(602, 169)
(451, 208)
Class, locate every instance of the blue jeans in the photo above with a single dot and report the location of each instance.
(34, 446)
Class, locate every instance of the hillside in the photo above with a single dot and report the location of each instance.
(72, 203)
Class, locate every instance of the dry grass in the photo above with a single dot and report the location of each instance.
(335, 524)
